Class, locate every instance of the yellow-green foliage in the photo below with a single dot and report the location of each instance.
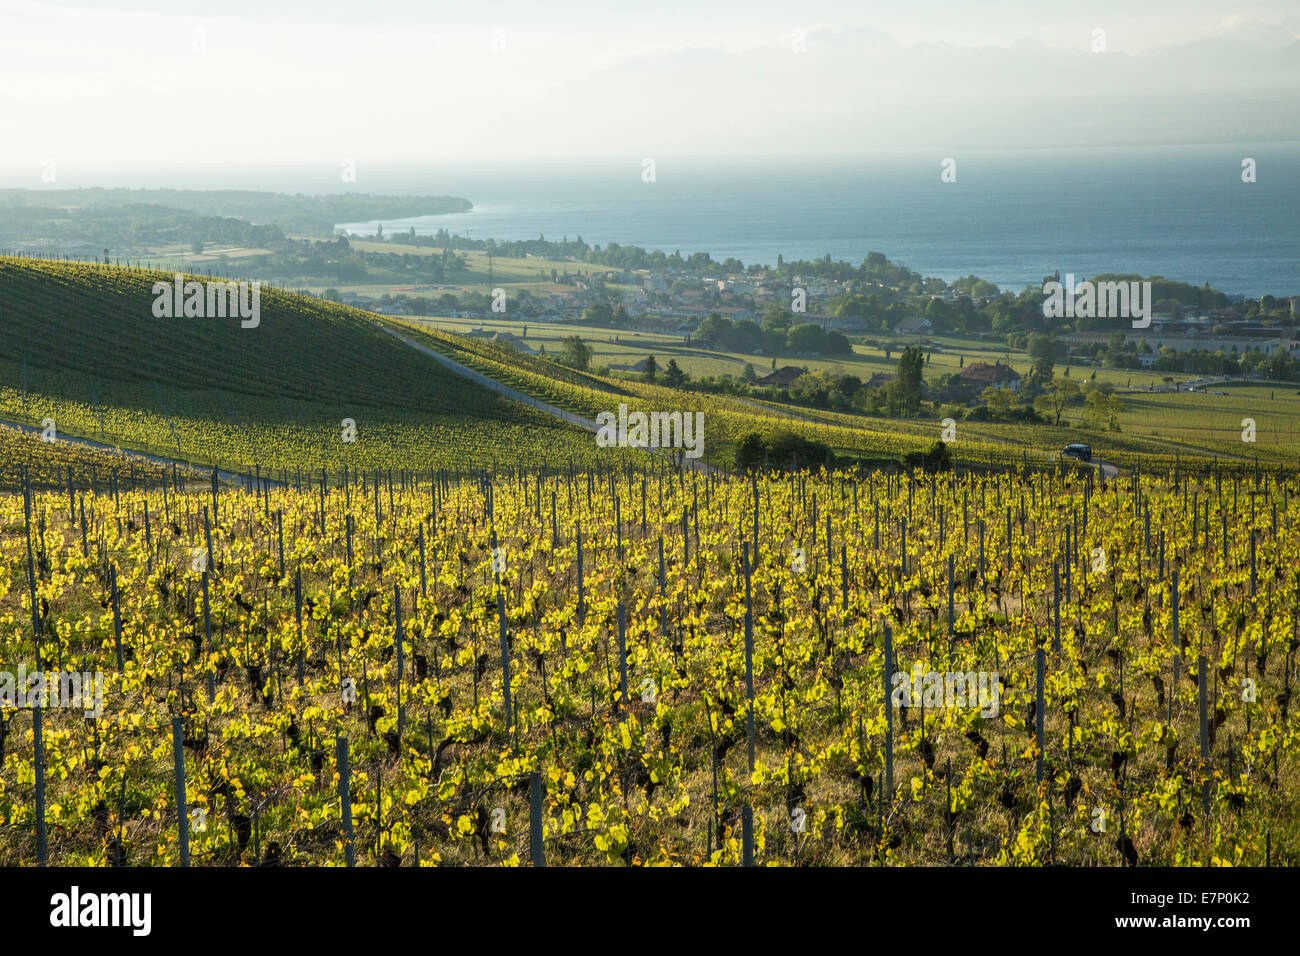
(630, 778)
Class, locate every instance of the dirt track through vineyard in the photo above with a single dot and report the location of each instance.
(229, 477)
(513, 394)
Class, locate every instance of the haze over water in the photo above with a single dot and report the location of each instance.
(1011, 218)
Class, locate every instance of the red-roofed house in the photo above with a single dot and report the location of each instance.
(981, 375)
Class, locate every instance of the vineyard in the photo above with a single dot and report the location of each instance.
(81, 349)
(24, 456)
(80, 345)
(853, 439)
(632, 665)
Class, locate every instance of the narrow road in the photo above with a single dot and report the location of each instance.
(197, 471)
(1105, 469)
(493, 385)
(515, 395)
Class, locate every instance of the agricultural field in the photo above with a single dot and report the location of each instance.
(475, 637)
(82, 348)
(533, 274)
(26, 458)
(1157, 425)
(80, 345)
(636, 666)
(850, 440)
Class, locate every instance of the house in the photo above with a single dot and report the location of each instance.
(783, 377)
(514, 341)
(883, 379)
(846, 323)
(914, 325)
(981, 375)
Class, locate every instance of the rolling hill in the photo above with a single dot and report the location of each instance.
(80, 344)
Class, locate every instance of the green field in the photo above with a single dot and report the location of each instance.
(1165, 424)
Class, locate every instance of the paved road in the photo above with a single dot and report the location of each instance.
(1105, 468)
(515, 395)
(493, 385)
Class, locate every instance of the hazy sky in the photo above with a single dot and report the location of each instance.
(161, 82)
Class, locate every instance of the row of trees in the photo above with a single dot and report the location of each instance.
(777, 333)
(1044, 398)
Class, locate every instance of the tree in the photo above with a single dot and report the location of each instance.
(1058, 393)
(1043, 352)
(1104, 407)
(793, 450)
(936, 458)
(837, 343)
(907, 387)
(650, 368)
(674, 377)
(750, 452)
(998, 401)
(576, 353)
(847, 385)
(749, 375)
(598, 314)
(806, 337)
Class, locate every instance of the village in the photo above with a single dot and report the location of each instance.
(678, 302)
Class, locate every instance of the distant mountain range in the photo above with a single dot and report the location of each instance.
(855, 90)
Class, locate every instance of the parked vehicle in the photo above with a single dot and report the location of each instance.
(1079, 451)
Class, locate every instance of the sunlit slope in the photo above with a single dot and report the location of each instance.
(727, 419)
(81, 344)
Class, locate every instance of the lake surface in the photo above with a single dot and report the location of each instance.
(1011, 218)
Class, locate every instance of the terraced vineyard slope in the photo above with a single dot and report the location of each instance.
(80, 345)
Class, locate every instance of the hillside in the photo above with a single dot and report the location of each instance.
(81, 344)
(104, 214)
